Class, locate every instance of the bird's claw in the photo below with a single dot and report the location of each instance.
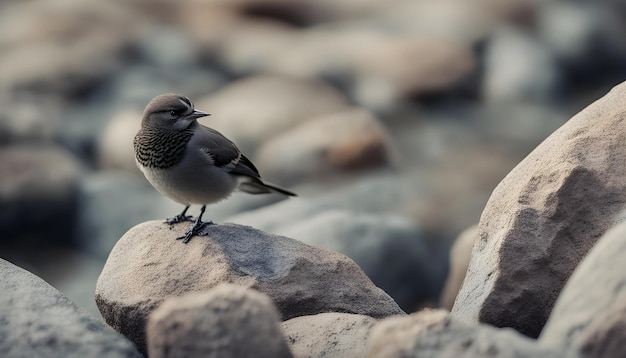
(179, 219)
(195, 230)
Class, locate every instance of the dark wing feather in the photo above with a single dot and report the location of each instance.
(221, 149)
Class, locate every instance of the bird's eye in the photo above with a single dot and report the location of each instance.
(174, 113)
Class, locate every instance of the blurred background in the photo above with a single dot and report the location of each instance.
(392, 120)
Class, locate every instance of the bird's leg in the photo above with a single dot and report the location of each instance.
(179, 218)
(197, 226)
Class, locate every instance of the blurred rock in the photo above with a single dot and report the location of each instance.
(460, 255)
(26, 118)
(328, 335)
(116, 143)
(583, 36)
(38, 321)
(590, 314)
(166, 46)
(110, 203)
(227, 321)
(552, 207)
(37, 195)
(380, 68)
(519, 68)
(433, 333)
(66, 46)
(252, 110)
(148, 265)
(391, 250)
(389, 192)
(344, 141)
(136, 85)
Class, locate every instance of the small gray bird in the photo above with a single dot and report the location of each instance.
(191, 163)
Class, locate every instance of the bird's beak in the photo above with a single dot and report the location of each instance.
(198, 114)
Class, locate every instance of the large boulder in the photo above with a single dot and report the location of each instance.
(545, 216)
(227, 321)
(434, 333)
(329, 335)
(590, 314)
(148, 265)
(36, 320)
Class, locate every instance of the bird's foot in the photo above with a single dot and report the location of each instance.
(179, 219)
(195, 230)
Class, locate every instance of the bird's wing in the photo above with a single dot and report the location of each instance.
(225, 153)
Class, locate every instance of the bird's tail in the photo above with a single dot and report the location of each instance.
(256, 186)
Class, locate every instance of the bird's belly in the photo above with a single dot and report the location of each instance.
(191, 185)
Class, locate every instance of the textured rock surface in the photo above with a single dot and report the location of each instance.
(148, 265)
(329, 335)
(36, 320)
(545, 216)
(227, 321)
(460, 255)
(590, 314)
(391, 250)
(434, 333)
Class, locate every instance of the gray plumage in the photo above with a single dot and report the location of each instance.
(191, 163)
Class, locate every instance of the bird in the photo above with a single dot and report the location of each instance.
(191, 163)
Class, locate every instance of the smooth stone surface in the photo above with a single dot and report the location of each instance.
(227, 321)
(36, 320)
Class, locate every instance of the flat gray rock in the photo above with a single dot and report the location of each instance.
(590, 314)
(148, 265)
(227, 321)
(36, 320)
(544, 217)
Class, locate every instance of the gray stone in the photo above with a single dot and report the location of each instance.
(391, 250)
(590, 314)
(329, 335)
(545, 216)
(36, 320)
(148, 265)
(227, 321)
(434, 333)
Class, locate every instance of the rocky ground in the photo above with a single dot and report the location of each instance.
(393, 121)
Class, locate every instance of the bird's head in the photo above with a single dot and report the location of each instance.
(171, 111)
